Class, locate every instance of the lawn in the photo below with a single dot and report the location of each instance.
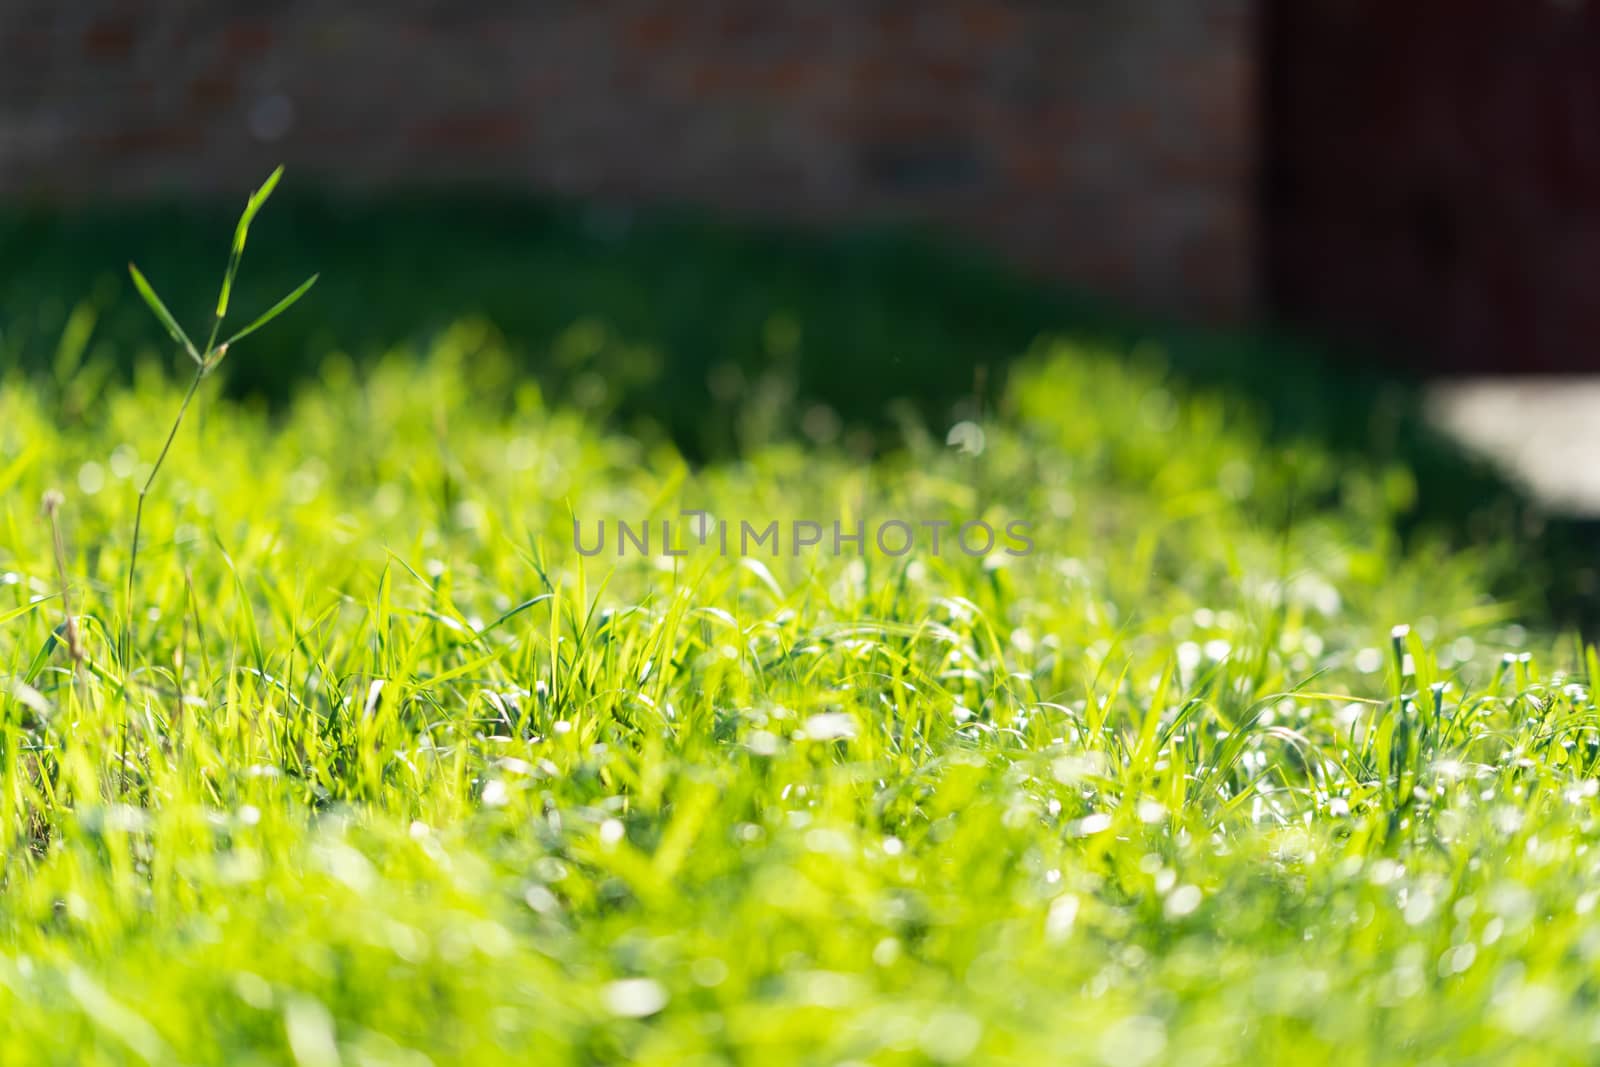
(1243, 761)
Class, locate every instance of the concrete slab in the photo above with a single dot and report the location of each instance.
(1543, 432)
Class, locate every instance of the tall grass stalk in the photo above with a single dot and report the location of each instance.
(205, 360)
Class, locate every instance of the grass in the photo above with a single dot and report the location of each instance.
(657, 316)
(659, 321)
(391, 774)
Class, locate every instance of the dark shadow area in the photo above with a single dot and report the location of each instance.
(1408, 203)
(678, 317)
(665, 320)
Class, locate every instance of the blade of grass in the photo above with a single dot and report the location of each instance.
(161, 313)
(274, 311)
(240, 233)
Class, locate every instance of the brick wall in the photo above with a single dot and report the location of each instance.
(1108, 142)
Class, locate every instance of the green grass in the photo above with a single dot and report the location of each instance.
(673, 325)
(647, 317)
(653, 319)
(391, 774)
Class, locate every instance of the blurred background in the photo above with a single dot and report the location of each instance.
(683, 212)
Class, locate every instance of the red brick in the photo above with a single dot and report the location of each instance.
(109, 39)
(984, 22)
(212, 92)
(167, 141)
(244, 38)
(472, 131)
(657, 29)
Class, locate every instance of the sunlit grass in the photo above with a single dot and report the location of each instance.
(390, 774)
